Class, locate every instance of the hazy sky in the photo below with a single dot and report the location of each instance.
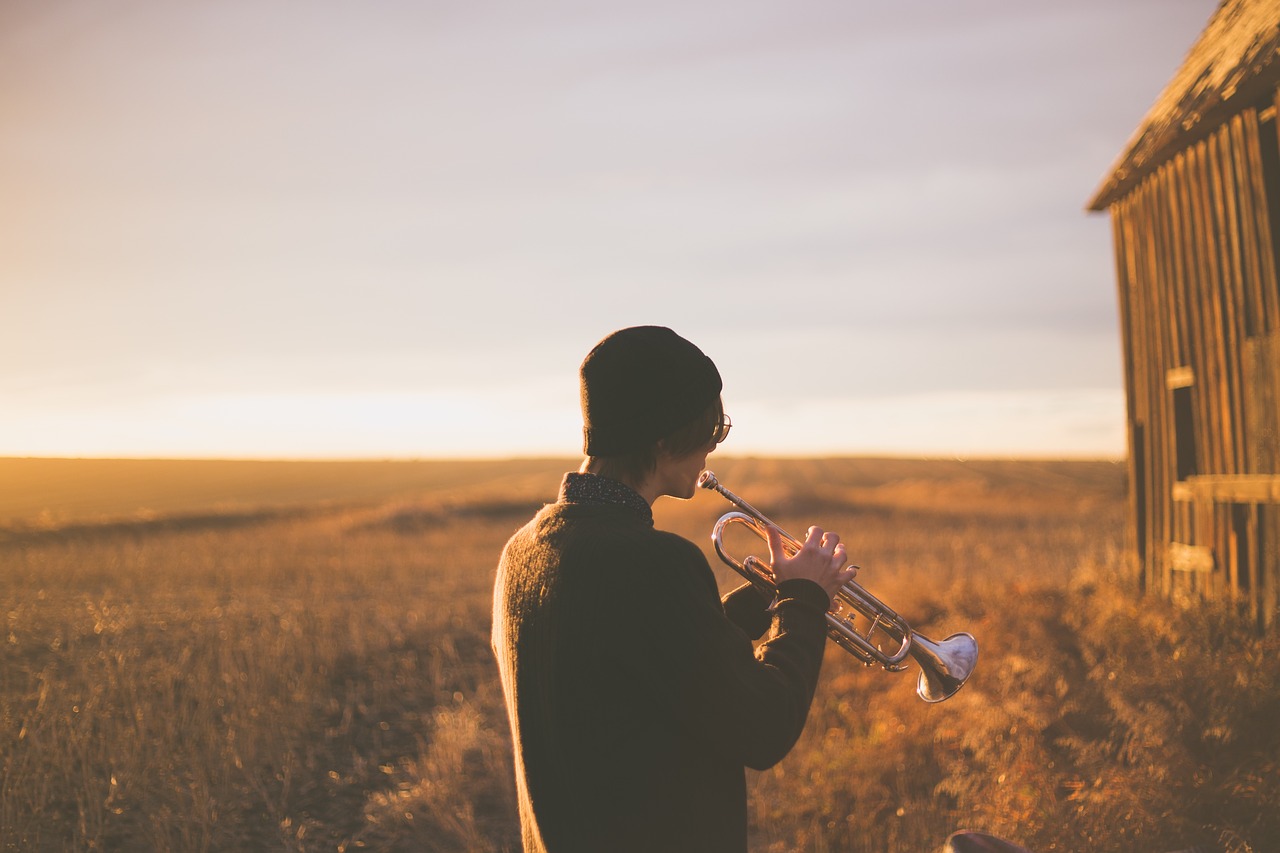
(316, 228)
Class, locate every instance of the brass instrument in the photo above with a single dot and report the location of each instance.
(944, 666)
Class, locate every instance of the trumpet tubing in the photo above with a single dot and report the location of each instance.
(944, 665)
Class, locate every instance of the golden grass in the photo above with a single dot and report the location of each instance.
(279, 659)
(40, 493)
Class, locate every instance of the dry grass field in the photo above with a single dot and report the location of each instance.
(294, 656)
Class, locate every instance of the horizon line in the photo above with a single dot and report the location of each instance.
(512, 457)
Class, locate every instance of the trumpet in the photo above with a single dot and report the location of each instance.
(944, 666)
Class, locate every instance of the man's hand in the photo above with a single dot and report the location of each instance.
(821, 559)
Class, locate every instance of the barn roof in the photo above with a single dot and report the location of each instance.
(1232, 64)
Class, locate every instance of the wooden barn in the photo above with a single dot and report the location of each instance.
(1195, 211)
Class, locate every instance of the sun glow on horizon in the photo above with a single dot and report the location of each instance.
(1070, 424)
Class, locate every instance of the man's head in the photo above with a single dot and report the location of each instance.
(646, 388)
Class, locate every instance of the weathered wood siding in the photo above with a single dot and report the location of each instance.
(1200, 313)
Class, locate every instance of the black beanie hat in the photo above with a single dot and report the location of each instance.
(641, 384)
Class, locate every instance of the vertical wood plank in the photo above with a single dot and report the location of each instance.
(1198, 296)
(1202, 244)
(1217, 385)
(1155, 287)
(1268, 566)
(1136, 499)
(1256, 240)
(1235, 289)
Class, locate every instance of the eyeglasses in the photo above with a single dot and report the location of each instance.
(722, 429)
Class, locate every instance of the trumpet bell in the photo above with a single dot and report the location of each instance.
(944, 665)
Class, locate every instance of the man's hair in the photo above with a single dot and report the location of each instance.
(635, 466)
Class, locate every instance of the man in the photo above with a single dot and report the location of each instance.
(633, 691)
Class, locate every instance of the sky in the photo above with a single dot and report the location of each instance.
(393, 229)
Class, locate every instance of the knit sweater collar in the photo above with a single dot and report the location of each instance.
(592, 489)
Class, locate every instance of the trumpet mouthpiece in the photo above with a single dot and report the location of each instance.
(707, 480)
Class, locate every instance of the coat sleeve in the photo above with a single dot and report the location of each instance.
(748, 704)
(747, 608)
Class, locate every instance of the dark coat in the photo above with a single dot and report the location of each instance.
(635, 703)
